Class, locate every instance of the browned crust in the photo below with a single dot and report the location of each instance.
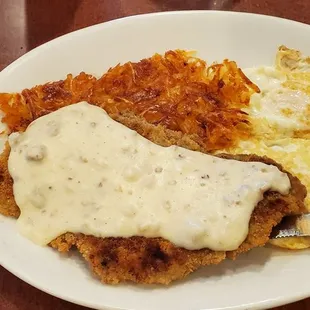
(8, 205)
(154, 260)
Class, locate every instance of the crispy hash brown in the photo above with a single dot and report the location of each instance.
(155, 260)
(176, 90)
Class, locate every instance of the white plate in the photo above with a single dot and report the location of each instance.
(258, 280)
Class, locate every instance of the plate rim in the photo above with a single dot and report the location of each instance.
(94, 27)
(278, 301)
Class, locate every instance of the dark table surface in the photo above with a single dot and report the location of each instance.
(25, 24)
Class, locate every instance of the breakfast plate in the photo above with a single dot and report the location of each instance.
(260, 279)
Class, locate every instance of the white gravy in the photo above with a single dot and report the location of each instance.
(77, 170)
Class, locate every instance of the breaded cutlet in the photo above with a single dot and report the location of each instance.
(155, 260)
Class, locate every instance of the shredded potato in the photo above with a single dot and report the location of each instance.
(181, 93)
(176, 90)
(17, 112)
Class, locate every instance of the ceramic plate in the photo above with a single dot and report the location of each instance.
(261, 279)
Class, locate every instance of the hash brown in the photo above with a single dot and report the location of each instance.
(176, 90)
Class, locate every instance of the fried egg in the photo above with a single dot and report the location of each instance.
(277, 111)
(280, 118)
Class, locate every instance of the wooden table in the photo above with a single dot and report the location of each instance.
(25, 24)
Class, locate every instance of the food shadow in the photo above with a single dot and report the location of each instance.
(251, 262)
